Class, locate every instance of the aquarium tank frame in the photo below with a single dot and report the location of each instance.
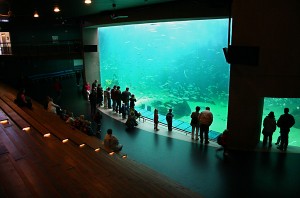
(152, 58)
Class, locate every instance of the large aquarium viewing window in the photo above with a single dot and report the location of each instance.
(277, 105)
(178, 65)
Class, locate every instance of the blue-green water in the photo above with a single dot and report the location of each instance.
(178, 65)
(277, 105)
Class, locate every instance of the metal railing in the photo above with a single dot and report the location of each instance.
(47, 48)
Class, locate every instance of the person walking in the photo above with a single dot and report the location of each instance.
(195, 123)
(269, 128)
(285, 122)
(205, 119)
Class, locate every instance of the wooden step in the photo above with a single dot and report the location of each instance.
(46, 167)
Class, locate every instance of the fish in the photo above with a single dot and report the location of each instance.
(185, 74)
(161, 86)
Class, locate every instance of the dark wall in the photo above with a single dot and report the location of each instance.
(273, 26)
(34, 51)
(179, 10)
(41, 31)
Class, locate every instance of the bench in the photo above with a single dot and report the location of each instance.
(47, 122)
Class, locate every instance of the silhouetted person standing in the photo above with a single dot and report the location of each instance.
(285, 122)
(195, 123)
(169, 118)
(113, 97)
(269, 128)
(206, 119)
(93, 101)
(155, 119)
(94, 84)
(125, 98)
(118, 97)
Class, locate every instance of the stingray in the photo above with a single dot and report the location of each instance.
(182, 109)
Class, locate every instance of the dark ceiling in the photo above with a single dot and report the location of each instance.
(69, 8)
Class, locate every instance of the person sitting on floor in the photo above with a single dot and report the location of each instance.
(137, 114)
(111, 142)
(45, 102)
(70, 119)
(22, 100)
(64, 115)
(52, 106)
(131, 120)
(77, 123)
(87, 128)
(82, 122)
(222, 140)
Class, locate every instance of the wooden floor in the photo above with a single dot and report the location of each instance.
(32, 165)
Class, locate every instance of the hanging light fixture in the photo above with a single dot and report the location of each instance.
(56, 8)
(36, 14)
(87, 1)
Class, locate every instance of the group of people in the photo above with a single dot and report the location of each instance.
(79, 122)
(201, 121)
(285, 122)
(121, 102)
(94, 95)
(110, 98)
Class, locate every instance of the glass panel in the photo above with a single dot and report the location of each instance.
(277, 105)
(178, 65)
